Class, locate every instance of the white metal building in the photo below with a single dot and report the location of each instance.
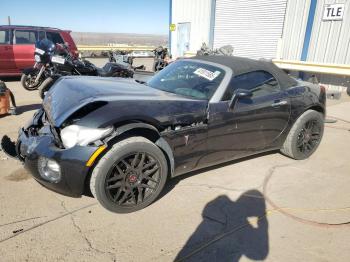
(252, 27)
(302, 35)
(262, 28)
(329, 39)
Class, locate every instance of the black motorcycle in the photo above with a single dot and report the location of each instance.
(64, 64)
(34, 76)
(54, 61)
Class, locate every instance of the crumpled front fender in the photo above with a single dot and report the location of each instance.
(160, 142)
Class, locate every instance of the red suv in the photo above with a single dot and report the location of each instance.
(17, 46)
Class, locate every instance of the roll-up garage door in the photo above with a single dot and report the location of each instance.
(252, 27)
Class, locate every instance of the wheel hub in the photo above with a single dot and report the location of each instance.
(307, 137)
(132, 178)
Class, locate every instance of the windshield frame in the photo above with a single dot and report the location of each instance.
(220, 90)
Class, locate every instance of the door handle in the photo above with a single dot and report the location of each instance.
(279, 103)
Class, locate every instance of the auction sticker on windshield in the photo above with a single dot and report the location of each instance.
(207, 74)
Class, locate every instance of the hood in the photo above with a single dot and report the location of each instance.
(120, 96)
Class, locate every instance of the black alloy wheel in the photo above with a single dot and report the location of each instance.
(130, 175)
(309, 137)
(305, 135)
(132, 179)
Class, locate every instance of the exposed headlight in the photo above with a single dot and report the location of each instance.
(49, 169)
(37, 58)
(80, 135)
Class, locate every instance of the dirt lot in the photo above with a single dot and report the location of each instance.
(267, 207)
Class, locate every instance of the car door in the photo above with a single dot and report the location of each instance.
(192, 84)
(23, 48)
(254, 124)
(7, 62)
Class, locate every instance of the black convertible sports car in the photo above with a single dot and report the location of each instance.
(122, 140)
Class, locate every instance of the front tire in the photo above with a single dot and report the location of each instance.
(305, 136)
(28, 82)
(130, 176)
(348, 91)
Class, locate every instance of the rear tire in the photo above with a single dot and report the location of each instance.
(305, 136)
(130, 176)
(45, 87)
(348, 91)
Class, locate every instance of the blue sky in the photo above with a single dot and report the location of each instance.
(118, 16)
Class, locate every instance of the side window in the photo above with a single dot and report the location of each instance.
(54, 37)
(23, 37)
(42, 35)
(261, 83)
(4, 37)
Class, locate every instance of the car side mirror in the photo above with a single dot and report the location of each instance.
(239, 94)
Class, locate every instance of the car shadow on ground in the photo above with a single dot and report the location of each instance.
(230, 230)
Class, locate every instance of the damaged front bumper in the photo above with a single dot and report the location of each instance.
(36, 143)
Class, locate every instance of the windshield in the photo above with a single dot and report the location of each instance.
(188, 78)
(45, 45)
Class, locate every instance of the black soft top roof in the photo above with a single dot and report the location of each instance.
(241, 65)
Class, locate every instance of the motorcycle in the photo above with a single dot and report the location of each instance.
(120, 56)
(123, 57)
(161, 58)
(64, 64)
(226, 50)
(33, 77)
(54, 61)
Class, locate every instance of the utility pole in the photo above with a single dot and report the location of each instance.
(9, 20)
